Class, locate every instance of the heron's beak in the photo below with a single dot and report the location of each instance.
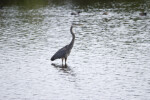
(77, 24)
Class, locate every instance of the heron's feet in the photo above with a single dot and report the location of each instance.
(64, 66)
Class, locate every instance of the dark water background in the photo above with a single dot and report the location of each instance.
(110, 59)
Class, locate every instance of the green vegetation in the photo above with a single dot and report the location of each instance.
(83, 4)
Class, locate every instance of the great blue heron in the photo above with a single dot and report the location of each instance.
(64, 52)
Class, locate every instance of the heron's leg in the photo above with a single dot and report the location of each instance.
(65, 60)
(62, 61)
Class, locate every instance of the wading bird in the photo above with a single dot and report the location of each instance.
(64, 52)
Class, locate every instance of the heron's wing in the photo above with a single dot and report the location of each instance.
(60, 53)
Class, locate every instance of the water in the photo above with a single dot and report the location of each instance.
(109, 61)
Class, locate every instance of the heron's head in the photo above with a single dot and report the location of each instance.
(76, 25)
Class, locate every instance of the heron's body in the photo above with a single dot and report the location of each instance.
(64, 52)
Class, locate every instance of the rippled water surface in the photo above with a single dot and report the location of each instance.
(110, 59)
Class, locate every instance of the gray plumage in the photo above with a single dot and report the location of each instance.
(64, 52)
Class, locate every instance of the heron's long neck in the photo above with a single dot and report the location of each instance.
(73, 37)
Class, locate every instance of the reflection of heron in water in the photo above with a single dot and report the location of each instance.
(65, 69)
(64, 52)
